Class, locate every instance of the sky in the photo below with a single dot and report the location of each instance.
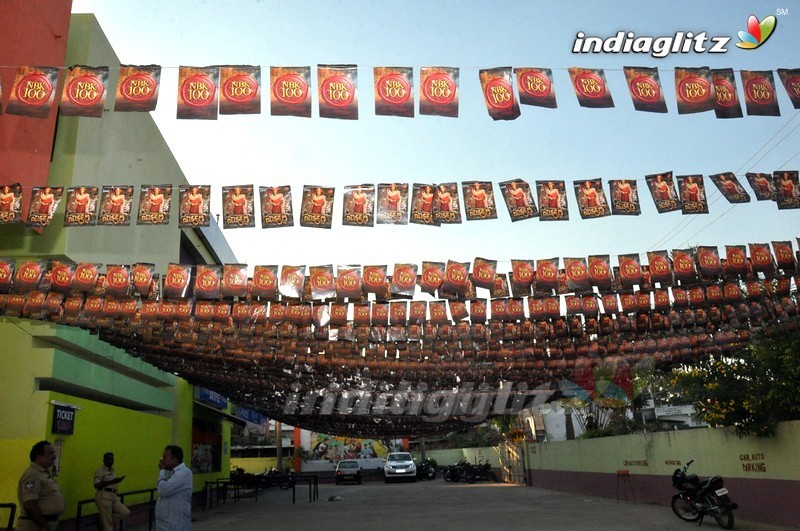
(567, 143)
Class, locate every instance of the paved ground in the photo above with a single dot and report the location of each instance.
(439, 505)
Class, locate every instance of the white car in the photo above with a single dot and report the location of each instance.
(399, 465)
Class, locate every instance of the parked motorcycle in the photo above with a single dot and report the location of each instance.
(698, 497)
(461, 471)
(484, 472)
(427, 469)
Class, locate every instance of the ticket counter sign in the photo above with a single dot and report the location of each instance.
(63, 420)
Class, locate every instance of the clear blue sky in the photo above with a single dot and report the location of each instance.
(569, 143)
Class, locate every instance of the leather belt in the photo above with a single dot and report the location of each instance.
(47, 517)
(109, 490)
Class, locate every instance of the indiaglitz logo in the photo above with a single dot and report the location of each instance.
(338, 91)
(290, 89)
(85, 90)
(34, 89)
(757, 32)
(394, 89)
(198, 91)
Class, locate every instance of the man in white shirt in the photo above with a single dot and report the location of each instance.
(174, 486)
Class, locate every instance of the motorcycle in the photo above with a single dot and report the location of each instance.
(427, 469)
(698, 497)
(484, 472)
(461, 471)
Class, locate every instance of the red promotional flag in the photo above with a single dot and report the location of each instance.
(422, 204)
(392, 202)
(519, 200)
(522, 275)
(359, 205)
(726, 99)
(708, 262)
(456, 277)
(552, 200)
(446, 209)
(645, 88)
(591, 87)
(81, 206)
(137, 88)
(194, 206)
(240, 90)
(498, 93)
(786, 189)
(761, 258)
(683, 265)
(694, 90)
(791, 82)
(729, 186)
(735, 260)
(338, 94)
(394, 91)
(591, 199)
(577, 274)
(322, 284)
(115, 205)
(693, 194)
(84, 92)
(317, 207)
(276, 206)
(33, 92)
(546, 275)
(155, 203)
(439, 91)
(44, 202)
(348, 282)
(237, 206)
(662, 188)
(197, 92)
(404, 280)
(292, 281)
(483, 273)
(10, 203)
(536, 87)
(289, 93)
(630, 270)
(784, 255)
(600, 271)
(208, 281)
(625, 197)
(762, 186)
(432, 277)
(759, 93)
(479, 200)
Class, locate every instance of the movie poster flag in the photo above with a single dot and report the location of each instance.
(591, 198)
(726, 97)
(81, 206)
(787, 189)
(394, 91)
(316, 207)
(155, 201)
(33, 92)
(478, 200)
(240, 89)
(276, 206)
(446, 208)
(552, 200)
(137, 88)
(422, 199)
(759, 93)
(10, 203)
(237, 207)
(693, 194)
(591, 88)
(644, 85)
(762, 186)
(289, 93)
(662, 188)
(115, 205)
(729, 186)
(438, 94)
(337, 85)
(694, 90)
(359, 205)
(791, 82)
(198, 92)
(392, 202)
(624, 197)
(535, 87)
(519, 199)
(44, 202)
(194, 205)
(84, 92)
(498, 93)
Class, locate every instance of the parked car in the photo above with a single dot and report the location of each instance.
(399, 465)
(348, 470)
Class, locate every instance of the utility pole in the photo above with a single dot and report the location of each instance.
(279, 446)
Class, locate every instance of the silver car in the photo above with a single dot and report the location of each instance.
(399, 465)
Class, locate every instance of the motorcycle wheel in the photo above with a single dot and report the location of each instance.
(431, 473)
(724, 517)
(684, 509)
(446, 475)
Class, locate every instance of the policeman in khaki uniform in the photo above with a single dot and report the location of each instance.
(110, 509)
(38, 493)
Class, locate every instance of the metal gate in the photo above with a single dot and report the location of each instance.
(512, 463)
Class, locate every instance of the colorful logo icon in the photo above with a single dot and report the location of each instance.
(757, 32)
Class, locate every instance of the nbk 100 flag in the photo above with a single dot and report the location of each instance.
(197, 92)
(276, 206)
(536, 87)
(729, 186)
(726, 98)
(591, 87)
(84, 91)
(693, 194)
(645, 88)
(137, 88)
(394, 91)
(240, 90)
(791, 82)
(289, 93)
(625, 197)
(759, 93)
(498, 93)
(33, 93)
(237, 205)
(338, 97)
(694, 90)
(519, 199)
(438, 91)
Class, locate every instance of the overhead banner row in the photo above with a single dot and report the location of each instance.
(205, 92)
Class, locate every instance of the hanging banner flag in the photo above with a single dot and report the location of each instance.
(10, 203)
(630, 270)
(348, 282)
(645, 88)
(735, 260)
(431, 277)
(197, 92)
(791, 82)
(338, 96)
(729, 186)
(787, 187)
(137, 88)
(392, 204)
(194, 205)
(394, 91)
(81, 206)
(478, 200)
(624, 198)
(33, 92)
(483, 273)
(44, 202)
(115, 205)
(359, 205)
(683, 265)
(317, 207)
(519, 200)
(577, 274)
(552, 200)
(276, 206)
(265, 282)
(693, 194)
(446, 208)
(590, 88)
(438, 93)
(694, 90)
(237, 206)
(289, 93)
(761, 259)
(591, 199)
(660, 267)
(155, 202)
(762, 186)
(536, 87)
(240, 89)
(292, 281)
(207, 282)
(422, 197)
(708, 262)
(404, 280)
(546, 276)
(321, 280)
(726, 99)
(662, 188)
(84, 92)
(599, 269)
(784, 255)
(498, 93)
(759, 93)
